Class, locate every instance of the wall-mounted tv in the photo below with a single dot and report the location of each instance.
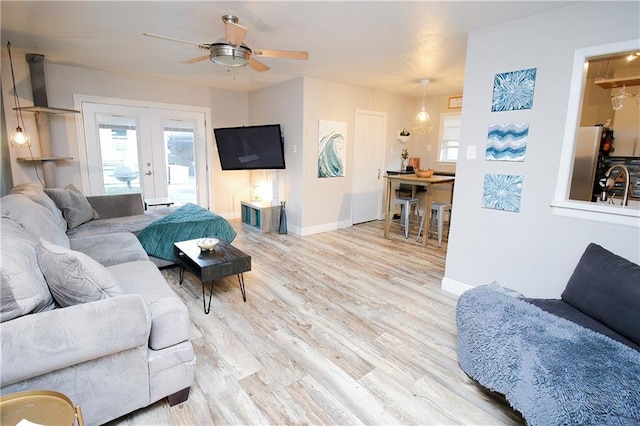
(250, 147)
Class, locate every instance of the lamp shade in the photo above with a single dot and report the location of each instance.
(422, 115)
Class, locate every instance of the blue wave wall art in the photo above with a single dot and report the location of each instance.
(507, 142)
(331, 149)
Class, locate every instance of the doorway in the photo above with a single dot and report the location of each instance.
(158, 152)
(368, 162)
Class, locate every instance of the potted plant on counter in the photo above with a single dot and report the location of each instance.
(404, 155)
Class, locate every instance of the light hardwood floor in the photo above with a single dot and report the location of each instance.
(342, 327)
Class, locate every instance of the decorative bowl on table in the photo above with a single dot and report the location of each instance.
(208, 244)
(423, 173)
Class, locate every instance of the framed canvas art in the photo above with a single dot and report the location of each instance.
(513, 90)
(507, 142)
(332, 149)
(502, 192)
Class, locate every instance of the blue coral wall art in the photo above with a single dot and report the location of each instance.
(332, 148)
(507, 142)
(513, 90)
(502, 192)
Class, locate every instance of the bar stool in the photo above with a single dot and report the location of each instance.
(405, 211)
(437, 214)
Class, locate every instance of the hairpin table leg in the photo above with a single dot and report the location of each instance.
(241, 281)
(204, 299)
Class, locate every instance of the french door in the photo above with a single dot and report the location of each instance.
(157, 152)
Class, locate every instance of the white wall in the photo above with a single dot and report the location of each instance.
(282, 104)
(228, 108)
(313, 204)
(327, 202)
(532, 251)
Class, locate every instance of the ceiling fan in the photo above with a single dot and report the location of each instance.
(231, 51)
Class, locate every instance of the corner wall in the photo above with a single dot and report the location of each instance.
(532, 251)
(228, 108)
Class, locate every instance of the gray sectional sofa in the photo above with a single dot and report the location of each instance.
(83, 310)
(573, 360)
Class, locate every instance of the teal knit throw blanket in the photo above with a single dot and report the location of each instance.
(186, 223)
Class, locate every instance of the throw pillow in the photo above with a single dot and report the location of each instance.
(606, 287)
(74, 277)
(37, 195)
(23, 289)
(74, 205)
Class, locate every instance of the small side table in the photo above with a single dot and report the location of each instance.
(150, 202)
(40, 407)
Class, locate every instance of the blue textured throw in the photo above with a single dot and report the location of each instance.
(186, 223)
(552, 370)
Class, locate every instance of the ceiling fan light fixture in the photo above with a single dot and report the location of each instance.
(230, 56)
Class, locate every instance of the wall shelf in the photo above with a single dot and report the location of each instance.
(50, 110)
(44, 158)
(611, 83)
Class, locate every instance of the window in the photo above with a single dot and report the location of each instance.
(449, 137)
(562, 204)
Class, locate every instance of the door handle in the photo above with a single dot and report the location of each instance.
(149, 173)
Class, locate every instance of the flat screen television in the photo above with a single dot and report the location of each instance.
(250, 147)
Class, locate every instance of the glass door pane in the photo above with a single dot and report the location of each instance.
(179, 140)
(118, 139)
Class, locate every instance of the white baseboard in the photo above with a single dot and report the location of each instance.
(229, 215)
(310, 230)
(455, 287)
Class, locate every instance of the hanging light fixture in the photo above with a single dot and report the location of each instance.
(423, 115)
(18, 137)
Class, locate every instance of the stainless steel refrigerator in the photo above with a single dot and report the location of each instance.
(585, 162)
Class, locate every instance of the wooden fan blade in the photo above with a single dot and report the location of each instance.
(257, 65)
(194, 60)
(234, 33)
(200, 45)
(286, 54)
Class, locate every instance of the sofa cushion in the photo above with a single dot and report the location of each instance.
(606, 287)
(34, 218)
(74, 205)
(170, 323)
(23, 289)
(36, 194)
(74, 277)
(110, 249)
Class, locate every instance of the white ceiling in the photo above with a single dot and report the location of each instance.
(387, 46)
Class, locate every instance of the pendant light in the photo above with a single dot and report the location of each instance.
(19, 137)
(423, 115)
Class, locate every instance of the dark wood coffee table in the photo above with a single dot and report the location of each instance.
(221, 262)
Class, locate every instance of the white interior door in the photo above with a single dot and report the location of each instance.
(368, 161)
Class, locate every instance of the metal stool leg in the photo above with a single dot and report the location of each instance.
(407, 218)
(440, 221)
